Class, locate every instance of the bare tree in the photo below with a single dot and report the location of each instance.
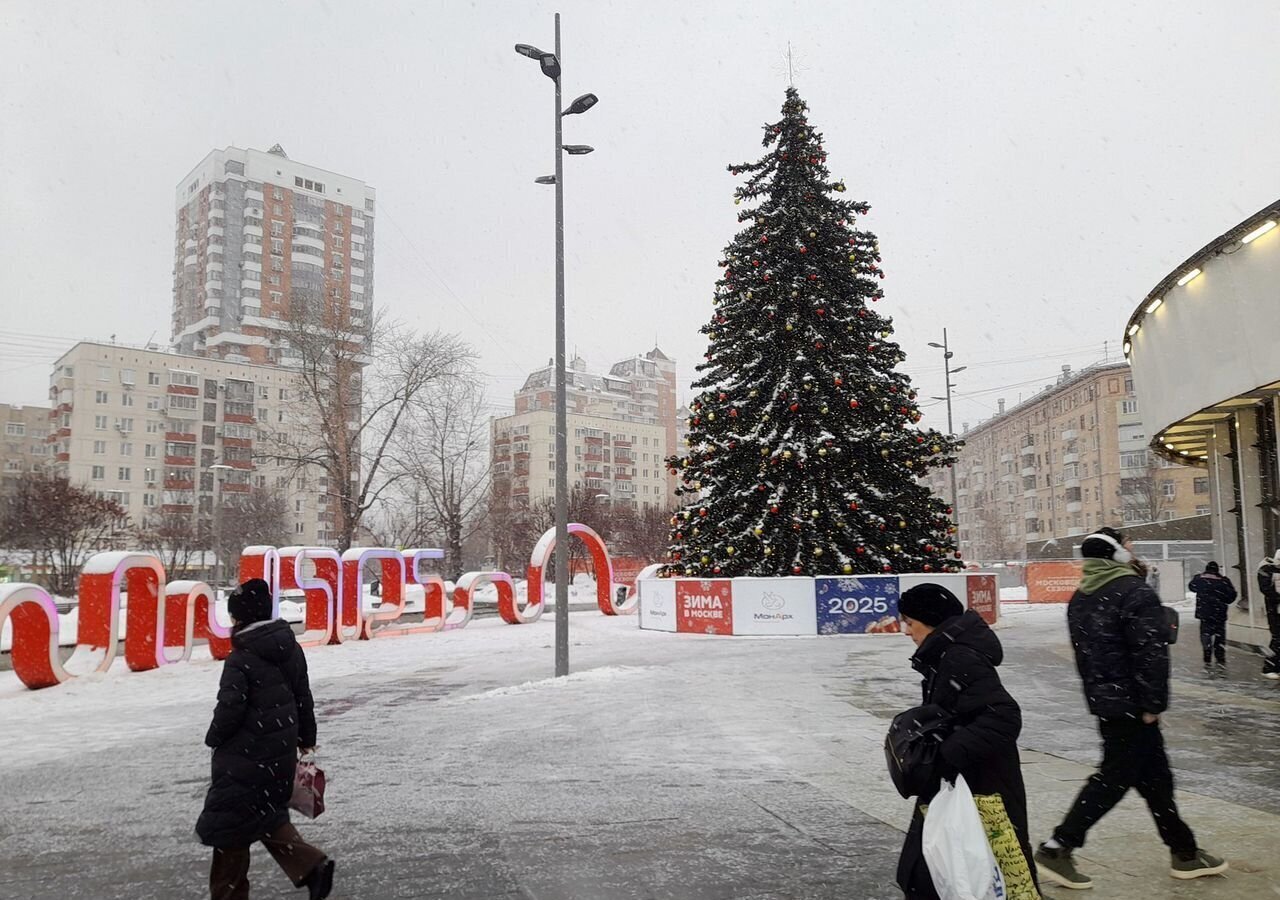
(442, 444)
(514, 525)
(348, 417)
(992, 540)
(260, 516)
(174, 537)
(60, 524)
(1142, 496)
(644, 533)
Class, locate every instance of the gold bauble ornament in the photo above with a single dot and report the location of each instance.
(730, 551)
(847, 569)
(768, 551)
(764, 451)
(753, 393)
(788, 326)
(704, 560)
(884, 453)
(813, 513)
(817, 551)
(813, 234)
(824, 410)
(757, 531)
(786, 454)
(823, 450)
(711, 417)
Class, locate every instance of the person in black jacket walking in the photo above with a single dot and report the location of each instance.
(1119, 637)
(1267, 572)
(1214, 595)
(263, 719)
(957, 655)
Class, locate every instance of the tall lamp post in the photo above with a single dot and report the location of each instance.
(219, 471)
(948, 372)
(550, 63)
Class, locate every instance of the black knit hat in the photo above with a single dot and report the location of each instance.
(251, 602)
(1094, 547)
(1211, 567)
(930, 604)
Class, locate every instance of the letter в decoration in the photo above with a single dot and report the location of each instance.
(383, 622)
(34, 621)
(99, 625)
(189, 617)
(599, 560)
(321, 589)
(263, 562)
(350, 625)
(464, 598)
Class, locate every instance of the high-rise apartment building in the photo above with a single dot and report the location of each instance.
(261, 239)
(622, 424)
(143, 427)
(1067, 461)
(22, 444)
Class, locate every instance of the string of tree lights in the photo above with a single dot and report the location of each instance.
(804, 452)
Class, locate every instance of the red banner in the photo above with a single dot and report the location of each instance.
(1053, 581)
(704, 607)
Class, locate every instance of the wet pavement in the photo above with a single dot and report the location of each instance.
(669, 767)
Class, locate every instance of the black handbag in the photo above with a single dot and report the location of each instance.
(912, 747)
(1171, 624)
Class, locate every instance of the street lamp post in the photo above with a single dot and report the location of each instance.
(948, 372)
(218, 470)
(550, 63)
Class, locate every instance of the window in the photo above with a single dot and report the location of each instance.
(153, 378)
(277, 210)
(149, 475)
(148, 499)
(1168, 488)
(277, 264)
(126, 448)
(1128, 407)
(277, 229)
(284, 395)
(1200, 486)
(153, 427)
(179, 401)
(153, 403)
(297, 527)
(99, 448)
(100, 397)
(15, 429)
(274, 280)
(99, 423)
(185, 379)
(1136, 459)
(104, 373)
(99, 473)
(277, 245)
(124, 425)
(277, 194)
(124, 473)
(126, 400)
(149, 451)
(127, 376)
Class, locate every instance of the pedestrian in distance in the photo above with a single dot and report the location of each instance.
(1268, 571)
(1119, 635)
(263, 721)
(1214, 595)
(957, 655)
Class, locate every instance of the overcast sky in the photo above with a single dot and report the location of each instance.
(1033, 170)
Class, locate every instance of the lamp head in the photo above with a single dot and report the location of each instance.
(578, 149)
(581, 104)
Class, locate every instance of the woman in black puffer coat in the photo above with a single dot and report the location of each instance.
(263, 719)
(958, 654)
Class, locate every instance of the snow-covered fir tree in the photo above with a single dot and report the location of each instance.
(804, 454)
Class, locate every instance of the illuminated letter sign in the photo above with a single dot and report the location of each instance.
(34, 620)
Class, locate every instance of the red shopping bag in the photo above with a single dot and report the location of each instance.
(308, 788)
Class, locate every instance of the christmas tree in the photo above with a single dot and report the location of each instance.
(804, 455)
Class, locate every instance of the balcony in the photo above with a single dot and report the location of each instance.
(1029, 471)
(1071, 483)
(1075, 506)
(623, 458)
(1070, 435)
(1006, 457)
(1075, 530)
(1069, 458)
(1033, 534)
(1031, 514)
(593, 457)
(1029, 493)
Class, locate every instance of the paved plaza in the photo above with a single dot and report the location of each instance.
(668, 766)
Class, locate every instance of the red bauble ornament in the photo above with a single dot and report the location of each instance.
(716, 570)
(733, 414)
(853, 404)
(755, 262)
(860, 550)
(773, 509)
(928, 548)
(820, 311)
(957, 554)
(853, 506)
(793, 407)
(676, 555)
(919, 440)
(764, 238)
(761, 488)
(888, 568)
(804, 249)
(817, 345)
(813, 277)
(703, 512)
(928, 568)
(839, 381)
(796, 570)
(723, 395)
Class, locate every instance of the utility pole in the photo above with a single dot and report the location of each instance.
(948, 372)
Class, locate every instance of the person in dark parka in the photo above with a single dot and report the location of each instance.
(1214, 595)
(1268, 570)
(1120, 639)
(264, 718)
(957, 655)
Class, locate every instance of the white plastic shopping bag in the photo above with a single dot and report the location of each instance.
(956, 849)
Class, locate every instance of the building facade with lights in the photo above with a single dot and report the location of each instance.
(1204, 346)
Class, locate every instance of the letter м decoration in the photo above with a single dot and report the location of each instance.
(99, 625)
(599, 560)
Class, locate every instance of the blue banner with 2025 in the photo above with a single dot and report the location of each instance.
(866, 604)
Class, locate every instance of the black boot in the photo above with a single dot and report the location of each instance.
(320, 881)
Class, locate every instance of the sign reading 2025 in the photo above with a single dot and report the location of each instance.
(862, 605)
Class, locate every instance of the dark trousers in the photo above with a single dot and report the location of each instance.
(1132, 757)
(1273, 622)
(1213, 638)
(229, 874)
